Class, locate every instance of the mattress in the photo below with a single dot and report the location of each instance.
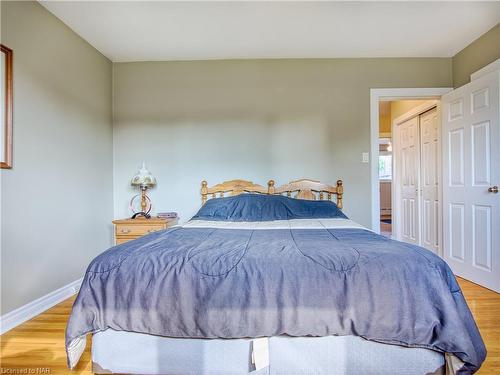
(265, 266)
(133, 353)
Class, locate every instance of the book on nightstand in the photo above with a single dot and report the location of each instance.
(167, 215)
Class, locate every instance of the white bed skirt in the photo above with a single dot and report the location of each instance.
(135, 353)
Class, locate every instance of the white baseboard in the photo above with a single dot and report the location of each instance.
(30, 310)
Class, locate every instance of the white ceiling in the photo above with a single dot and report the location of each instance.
(184, 30)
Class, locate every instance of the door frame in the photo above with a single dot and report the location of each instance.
(376, 95)
(396, 193)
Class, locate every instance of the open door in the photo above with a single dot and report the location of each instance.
(471, 176)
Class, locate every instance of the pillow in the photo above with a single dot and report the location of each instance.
(263, 207)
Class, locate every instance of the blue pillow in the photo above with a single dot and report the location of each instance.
(263, 207)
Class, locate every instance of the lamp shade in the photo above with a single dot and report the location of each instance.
(143, 178)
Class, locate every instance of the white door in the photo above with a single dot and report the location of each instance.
(471, 170)
(429, 180)
(408, 180)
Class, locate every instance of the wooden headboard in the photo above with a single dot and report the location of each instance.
(233, 187)
(300, 189)
(310, 190)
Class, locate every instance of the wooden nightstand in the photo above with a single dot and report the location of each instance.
(131, 229)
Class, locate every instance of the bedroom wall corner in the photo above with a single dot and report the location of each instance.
(56, 201)
(481, 52)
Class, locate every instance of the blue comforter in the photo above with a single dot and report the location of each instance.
(234, 283)
(248, 283)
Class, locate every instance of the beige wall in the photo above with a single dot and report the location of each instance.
(57, 200)
(385, 124)
(384, 119)
(253, 119)
(396, 109)
(214, 120)
(476, 55)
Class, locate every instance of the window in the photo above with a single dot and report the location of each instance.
(385, 167)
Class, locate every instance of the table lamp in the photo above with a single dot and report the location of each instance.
(145, 180)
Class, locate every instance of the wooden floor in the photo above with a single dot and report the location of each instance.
(39, 343)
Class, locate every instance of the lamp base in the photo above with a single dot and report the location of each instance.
(139, 214)
(141, 211)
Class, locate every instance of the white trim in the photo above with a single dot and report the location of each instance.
(389, 94)
(440, 178)
(30, 310)
(396, 230)
(495, 65)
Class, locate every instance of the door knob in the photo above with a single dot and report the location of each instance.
(493, 189)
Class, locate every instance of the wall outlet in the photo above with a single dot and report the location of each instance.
(365, 157)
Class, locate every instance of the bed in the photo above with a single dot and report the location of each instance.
(272, 280)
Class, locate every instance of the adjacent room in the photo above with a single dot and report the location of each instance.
(249, 187)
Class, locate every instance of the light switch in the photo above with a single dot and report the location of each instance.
(365, 157)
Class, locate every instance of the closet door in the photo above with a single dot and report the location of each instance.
(408, 181)
(429, 180)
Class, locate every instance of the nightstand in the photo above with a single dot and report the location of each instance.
(131, 229)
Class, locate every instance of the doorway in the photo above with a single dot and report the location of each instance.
(376, 96)
(409, 171)
(385, 168)
(470, 157)
(385, 182)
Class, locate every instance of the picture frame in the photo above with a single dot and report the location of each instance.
(6, 107)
